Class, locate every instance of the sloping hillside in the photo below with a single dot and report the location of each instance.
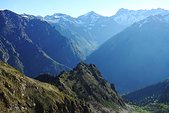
(19, 93)
(28, 40)
(154, 98)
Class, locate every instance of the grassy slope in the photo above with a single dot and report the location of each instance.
(19, 93)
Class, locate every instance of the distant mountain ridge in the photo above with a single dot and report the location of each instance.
(93, 30)
(128, 17)
(139, 54)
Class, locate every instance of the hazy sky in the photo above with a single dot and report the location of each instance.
(78, 7)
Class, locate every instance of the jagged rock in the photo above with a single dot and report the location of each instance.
(86, 83)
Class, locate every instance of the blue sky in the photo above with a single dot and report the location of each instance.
(78, 7)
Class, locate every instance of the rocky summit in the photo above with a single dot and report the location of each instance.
(86, 83)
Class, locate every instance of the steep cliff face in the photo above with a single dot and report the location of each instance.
(19, 93)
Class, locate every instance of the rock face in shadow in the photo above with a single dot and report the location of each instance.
(25, 41)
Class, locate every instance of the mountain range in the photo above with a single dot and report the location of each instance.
(126, 41)
(128, 17)
(138, 55)
(93, 30)
(129, 48)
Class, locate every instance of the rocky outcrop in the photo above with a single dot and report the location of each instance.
(86, 83)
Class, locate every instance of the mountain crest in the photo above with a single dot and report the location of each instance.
(91, 13)
(122, 11)
(85, 82)
(60, 15)
(90, 17)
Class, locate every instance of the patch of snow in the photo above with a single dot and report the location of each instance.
(57, 18)
(142, 23)
(25, 16)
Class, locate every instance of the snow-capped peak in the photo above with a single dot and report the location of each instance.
(122, 11)
(90, 17)
(128, 17)
(31, 16)
(91, 13)
(59, 17)
(155, 19)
